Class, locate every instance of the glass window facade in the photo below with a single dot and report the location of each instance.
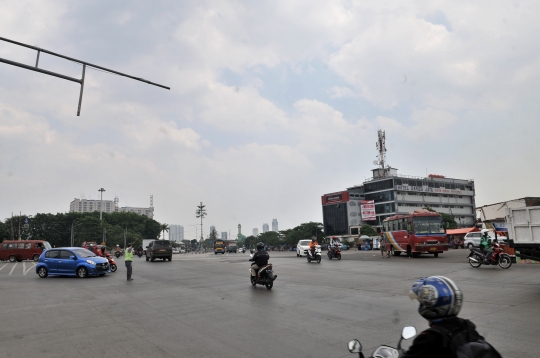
(335, 219)
(380, 185)
(384, 208)
(382, 196)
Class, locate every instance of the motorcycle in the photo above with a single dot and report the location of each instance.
(383, 351)
(140, 253)
(263, 276)
(117, 254)
(112, 264)
(334, 252)
(498, 257)
(316, 256)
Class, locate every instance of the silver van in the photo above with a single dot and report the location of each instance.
(472, 239)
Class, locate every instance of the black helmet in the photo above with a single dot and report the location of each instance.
(260, 246)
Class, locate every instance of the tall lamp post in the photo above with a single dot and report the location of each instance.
(201, 213)
(195, 230)
(101, 214)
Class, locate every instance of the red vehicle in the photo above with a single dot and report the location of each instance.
(498, 257)
(18, 250)
(334, 252)
(101, 250)
(419, 232)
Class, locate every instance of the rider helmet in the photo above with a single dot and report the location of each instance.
(117, 245)
(484, 231)
(439, 297)
(313, 238)
(260, 246)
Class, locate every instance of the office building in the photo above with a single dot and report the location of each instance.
(109, 206)
(265, 228)
(255, 231)
(176, 233)
(212, 229)
(224, 235)
(275, 225)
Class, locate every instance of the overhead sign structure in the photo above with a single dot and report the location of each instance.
(59, 75)
(367, 209)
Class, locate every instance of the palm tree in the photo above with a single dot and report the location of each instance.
(164, 227)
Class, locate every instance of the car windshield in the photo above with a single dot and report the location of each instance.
(47, 245)
(162, 243)
(428, 225)
(304, 242)
(83, 253)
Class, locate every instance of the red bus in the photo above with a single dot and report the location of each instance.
(419, 232)
(18, 250)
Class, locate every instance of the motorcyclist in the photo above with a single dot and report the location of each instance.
(312, 245)
(260, 258)
(440, 301)
(484, 245)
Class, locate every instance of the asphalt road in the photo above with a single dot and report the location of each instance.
(202, 305)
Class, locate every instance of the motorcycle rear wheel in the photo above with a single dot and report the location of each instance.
(478, 263)
(505, 261)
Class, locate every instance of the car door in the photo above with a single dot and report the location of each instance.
(52, 258)
(67, 263)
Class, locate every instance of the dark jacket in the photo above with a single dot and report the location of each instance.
(429, 344)
(260, 258)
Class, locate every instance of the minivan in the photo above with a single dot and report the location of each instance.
(472, 239)
(159, 249)
(18, 250)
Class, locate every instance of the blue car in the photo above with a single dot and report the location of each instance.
(71, 261)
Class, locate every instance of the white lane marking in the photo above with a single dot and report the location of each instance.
(13, 268)
(26, 271)
(3, 267)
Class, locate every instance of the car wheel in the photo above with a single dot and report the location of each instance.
(42, 272)
(82, 272)
(36, 257)
(436, 254)
(470, 245)
(152, 258)
(170, 258)
(113, 268)
(12, 258)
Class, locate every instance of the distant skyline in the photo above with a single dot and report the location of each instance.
(272, 104)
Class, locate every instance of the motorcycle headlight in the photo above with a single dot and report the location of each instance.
(90, 262)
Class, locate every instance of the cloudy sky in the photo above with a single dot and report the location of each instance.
(272, 103)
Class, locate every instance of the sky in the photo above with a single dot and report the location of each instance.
(272, 103)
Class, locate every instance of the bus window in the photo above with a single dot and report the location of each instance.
(21, 245)
(428, 225)
(28, 245)
(409, 227)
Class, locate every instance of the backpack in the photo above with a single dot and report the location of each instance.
(466, 342)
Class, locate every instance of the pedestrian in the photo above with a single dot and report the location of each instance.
(129, 260)
(383, 247)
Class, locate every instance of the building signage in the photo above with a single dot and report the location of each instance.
(367, 207)
(335, 198)
(427, 189)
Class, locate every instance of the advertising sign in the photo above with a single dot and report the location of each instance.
(367, 208)
(334, 198)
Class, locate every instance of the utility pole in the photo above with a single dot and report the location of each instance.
(201, 213)
(101, 215)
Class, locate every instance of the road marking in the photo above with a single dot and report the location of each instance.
(3, 267)
(24, 268)
(13, 268)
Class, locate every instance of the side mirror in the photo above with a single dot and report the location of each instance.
(408, 332)
(355, 346)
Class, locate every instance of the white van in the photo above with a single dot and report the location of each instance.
(472, 239)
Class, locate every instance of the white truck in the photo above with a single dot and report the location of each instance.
(524, 231)
(145, 243)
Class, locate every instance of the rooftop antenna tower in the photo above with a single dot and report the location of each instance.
(381, 157)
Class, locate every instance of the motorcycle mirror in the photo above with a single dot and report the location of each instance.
(355, 346)
(408, 332)
(251, 255)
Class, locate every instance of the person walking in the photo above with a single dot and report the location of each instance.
(383, 247)
(129, 259)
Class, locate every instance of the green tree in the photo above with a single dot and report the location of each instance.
(269, 238)
(368, 230)
(250, 241)
(164, 228)
(303, 231)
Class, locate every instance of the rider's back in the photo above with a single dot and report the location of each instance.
(261, 258)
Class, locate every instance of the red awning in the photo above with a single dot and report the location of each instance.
(462, 231)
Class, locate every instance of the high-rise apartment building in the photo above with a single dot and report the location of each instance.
(275, 225)
(265, 228)
(255, 231)
(212, 229)
(107, 206)
(224, 235)
(176, 233)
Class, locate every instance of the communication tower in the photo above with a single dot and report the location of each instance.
(381, 157)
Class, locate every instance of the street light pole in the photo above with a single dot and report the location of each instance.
(101, 214)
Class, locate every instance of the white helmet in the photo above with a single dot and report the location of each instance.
(484, 231)
(117, 245)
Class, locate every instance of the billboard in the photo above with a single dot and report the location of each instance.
(367, 209)
(335, 198)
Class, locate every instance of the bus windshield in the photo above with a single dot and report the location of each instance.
(428, 225)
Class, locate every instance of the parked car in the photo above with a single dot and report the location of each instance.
(301, 246)
(71, 261)
(175, 250)
(472, 239)
(159, 249)
(344, 247)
